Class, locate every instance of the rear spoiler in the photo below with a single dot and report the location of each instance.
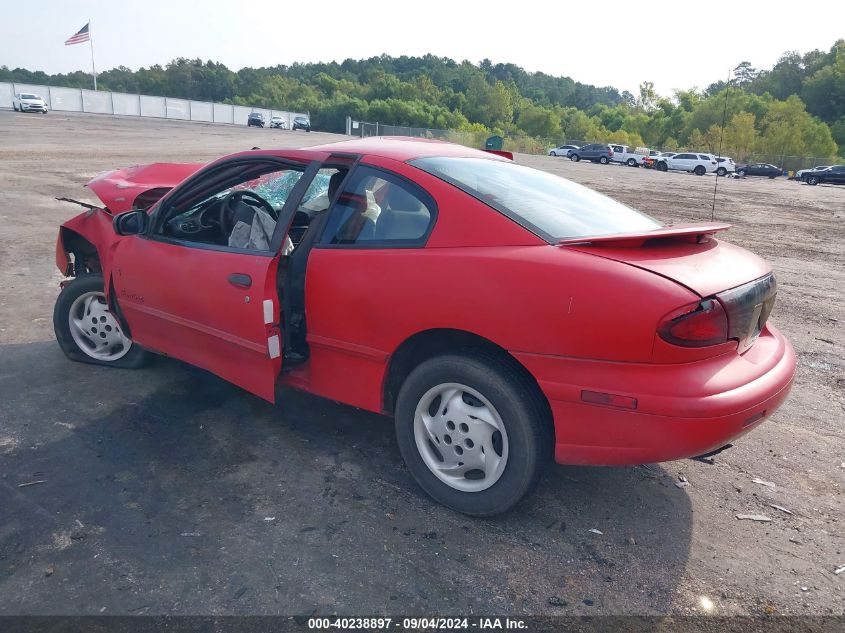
(695, 233)
(500, 152)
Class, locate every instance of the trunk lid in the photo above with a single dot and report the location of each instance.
(741, 281)
(687, 254)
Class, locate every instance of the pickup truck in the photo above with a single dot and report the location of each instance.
(625, 155)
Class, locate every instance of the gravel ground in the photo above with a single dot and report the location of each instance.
(168, 491)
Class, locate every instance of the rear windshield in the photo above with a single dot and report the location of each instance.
(552, 207)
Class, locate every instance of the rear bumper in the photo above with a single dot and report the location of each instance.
(682, 410)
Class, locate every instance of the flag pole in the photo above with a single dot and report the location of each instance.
(91, 42)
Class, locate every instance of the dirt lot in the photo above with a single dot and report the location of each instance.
(168, 491)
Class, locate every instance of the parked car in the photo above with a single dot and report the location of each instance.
(28, 102)
(256, 119)
(562, 150)
(627, 156)
(484, 388)
(278, 122)
(725, 165)
(301, 123)
(759, 169)
(699, 164)
(800, 173)
(834, 175)
(594, 152)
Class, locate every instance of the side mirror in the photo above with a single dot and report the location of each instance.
(131, 222)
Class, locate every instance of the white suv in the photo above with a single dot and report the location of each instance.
(699, 164)
(28, 102)
(726, 165)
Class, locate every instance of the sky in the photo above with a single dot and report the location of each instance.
(677, 45)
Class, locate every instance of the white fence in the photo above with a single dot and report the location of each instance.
(119, 103)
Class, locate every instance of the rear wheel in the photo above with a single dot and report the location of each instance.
(604, 160)
(473, 432)
(574, 158)
(87, 330)
(631, 162)
(699, 170)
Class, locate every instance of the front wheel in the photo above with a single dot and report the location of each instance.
(604, 160)
(574, 158)
(86, 329)
(662, 167)
(473, 432)
(741, 173)
(553, 154)
(813, 180)
(721, 171)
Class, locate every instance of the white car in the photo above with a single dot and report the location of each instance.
(562, 150)
(699, 164)
(278, 122)
(28, 102)
(726, 165)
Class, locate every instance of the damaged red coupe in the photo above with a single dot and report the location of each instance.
(502, 315)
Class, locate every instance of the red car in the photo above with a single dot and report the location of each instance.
(504, 316)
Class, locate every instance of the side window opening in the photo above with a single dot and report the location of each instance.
(238, 210)
(377, 208)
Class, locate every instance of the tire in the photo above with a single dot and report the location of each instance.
(662, 167)
(574, 158)
(553, 154)
(631, 162)
(699, 170)
(741, 173)
(14, 107)
(76, 343)
(604, 160)
(496, 391)
(772, 177)
(812, 180)
(721, 171)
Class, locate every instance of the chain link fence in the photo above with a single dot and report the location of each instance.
(123, 104)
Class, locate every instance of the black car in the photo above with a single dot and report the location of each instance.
(255, 118)
(759, 169)
(301, 123)
(834, 175)
(595, 152)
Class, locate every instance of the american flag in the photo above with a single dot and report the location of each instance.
(82, 35)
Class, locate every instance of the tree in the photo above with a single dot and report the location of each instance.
(744, 74)
(648, 96)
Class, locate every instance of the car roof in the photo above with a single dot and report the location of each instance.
(404, 148)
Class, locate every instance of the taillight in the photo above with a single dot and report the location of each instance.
(696, 325)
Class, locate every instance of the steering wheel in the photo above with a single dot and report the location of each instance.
(227, 210)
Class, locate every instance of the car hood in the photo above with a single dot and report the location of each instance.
(121, 188)
(692, 258)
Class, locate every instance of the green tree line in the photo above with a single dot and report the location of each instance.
(795, 108)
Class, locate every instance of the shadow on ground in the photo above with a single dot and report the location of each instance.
(167, 490)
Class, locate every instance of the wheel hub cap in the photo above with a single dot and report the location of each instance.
(95, 330)
(460, 437)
